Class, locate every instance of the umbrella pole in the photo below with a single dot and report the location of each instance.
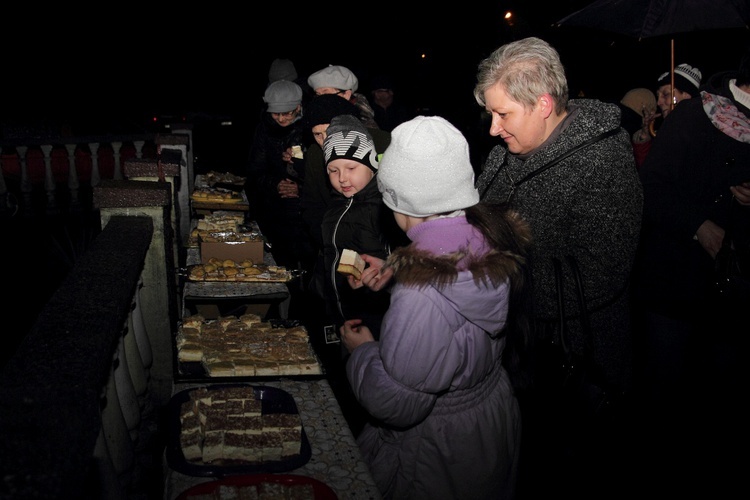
(671, 102)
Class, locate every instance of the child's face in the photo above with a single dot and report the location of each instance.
(348, 177)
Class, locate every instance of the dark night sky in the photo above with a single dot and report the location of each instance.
(135, 62)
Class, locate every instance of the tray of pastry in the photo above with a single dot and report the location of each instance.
(224, 180)
(244, 348)
(216, 195)
(228, 429)
(261, 486)
(243, 271)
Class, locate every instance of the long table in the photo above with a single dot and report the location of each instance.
(335, 460)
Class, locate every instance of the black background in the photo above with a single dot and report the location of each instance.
(104, 70)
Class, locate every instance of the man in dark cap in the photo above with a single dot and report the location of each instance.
(687, 82)
(389, 111)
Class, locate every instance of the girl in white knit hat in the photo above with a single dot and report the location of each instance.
(446, 420)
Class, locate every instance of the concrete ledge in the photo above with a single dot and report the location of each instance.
(171, 162)
(52, 388)
(120, 194)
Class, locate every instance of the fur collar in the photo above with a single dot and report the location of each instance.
(412, 266)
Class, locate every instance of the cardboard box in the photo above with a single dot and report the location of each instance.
(235, 250)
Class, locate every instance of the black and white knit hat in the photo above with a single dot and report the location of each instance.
(686, 78)
(426, 169)
(347, 138)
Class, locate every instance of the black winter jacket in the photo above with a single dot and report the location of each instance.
(280, 219)
(266, 168)
(364, 224)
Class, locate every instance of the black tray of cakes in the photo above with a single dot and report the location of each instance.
(229, 429)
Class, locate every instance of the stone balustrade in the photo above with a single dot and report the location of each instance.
(82, 393)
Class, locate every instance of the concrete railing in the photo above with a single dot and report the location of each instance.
(57, 175)
(82, 393)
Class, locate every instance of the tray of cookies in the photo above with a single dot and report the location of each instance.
(224, 180)
(209, 194)
(243, 271)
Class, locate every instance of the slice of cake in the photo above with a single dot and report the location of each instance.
(268, 490)
(234, 446)
(291, 442)
(271, 445)
(252, 407)
(253, 447)
(220, 369)
(190, 352)
(244, 367)
(213, 446)
(300, 491)
(191, 432)
(250, 319)
(351, 263)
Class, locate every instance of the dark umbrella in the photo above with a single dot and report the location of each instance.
(651, 18)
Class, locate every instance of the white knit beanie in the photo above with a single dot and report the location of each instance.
(426, 169)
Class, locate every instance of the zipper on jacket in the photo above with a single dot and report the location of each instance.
(337, 257)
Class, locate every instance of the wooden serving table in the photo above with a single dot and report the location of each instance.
(335, 460)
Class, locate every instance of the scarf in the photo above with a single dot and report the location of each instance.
(726, 117)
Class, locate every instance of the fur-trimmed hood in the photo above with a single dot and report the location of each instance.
(415, 267)
(473, 283)
(461, 248)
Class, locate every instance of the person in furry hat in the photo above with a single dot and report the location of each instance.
(446, 422)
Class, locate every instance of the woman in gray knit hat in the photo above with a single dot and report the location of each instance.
(274, 180)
